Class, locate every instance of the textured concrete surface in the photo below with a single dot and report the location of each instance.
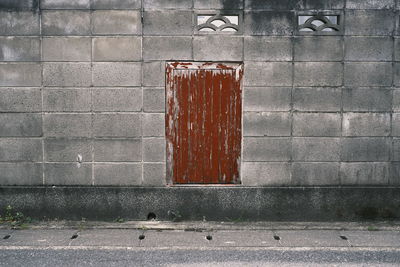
(85, 79)
(211, 203)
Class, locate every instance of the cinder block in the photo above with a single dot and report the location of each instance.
(68, 174)
(266, 174)
(320, 4)
(117, 125)
(19, 49)
(154, 174)
(318, 48)
(21, 174)
(67, 150)
(118, 174)
(318, 74)
(116, 4)
(367, 99)
(316, 149)
(397, 49)
(65, 100)
(110, 22)
(20, 100)
(167, 22)
(270, 4)
(366, 149)
(117, 74)
(113, 150)
(66, 49)
(266, 124)
(154, 149)
(396, 100)
(396, 124)
(396, 149)
(21, 149)
(364, 173)
(266, 149)
(65, 4)
(67, 125)
(396, 73)
(153, 124)
(267, 99)
(117, 49)
(170, 4)
(369, 48)
(397, 22)
(154, 100)
(218, 47)
(268, 74)
(268, 22)
(366, 124)
(316, 124)
(19, 23)
(394, 173)
(315, 174)
(154, 73)
(66, 22)
(117, 99)
(317, 99)
(20, 74)
(267, 48)
(19, 5)
(370, 4)
(368, 74)
(167, 48)
(20, 124)
(369, 22)
(67, 74)
(218, 4)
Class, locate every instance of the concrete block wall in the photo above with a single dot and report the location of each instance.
(82, 90)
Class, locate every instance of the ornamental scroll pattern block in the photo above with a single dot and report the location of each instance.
(218, 23)
(319, 24)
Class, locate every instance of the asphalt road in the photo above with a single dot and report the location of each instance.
(133, 247)
(231, 257)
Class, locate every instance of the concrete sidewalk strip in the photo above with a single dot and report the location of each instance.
(108, 237)
(205, 239)
(311, 238)
(38, 238)
(174, 238)
(243, 239)
(373, 238)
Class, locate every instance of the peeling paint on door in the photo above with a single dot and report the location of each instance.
(203, 122)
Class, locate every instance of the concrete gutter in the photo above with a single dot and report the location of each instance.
(197, 226)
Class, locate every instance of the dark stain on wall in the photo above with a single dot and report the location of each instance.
(232, 4)
(294, 4)
(271, 4)
(19, 5)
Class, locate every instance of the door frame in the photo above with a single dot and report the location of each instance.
(170, 66)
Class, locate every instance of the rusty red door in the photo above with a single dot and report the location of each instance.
(203, 122)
